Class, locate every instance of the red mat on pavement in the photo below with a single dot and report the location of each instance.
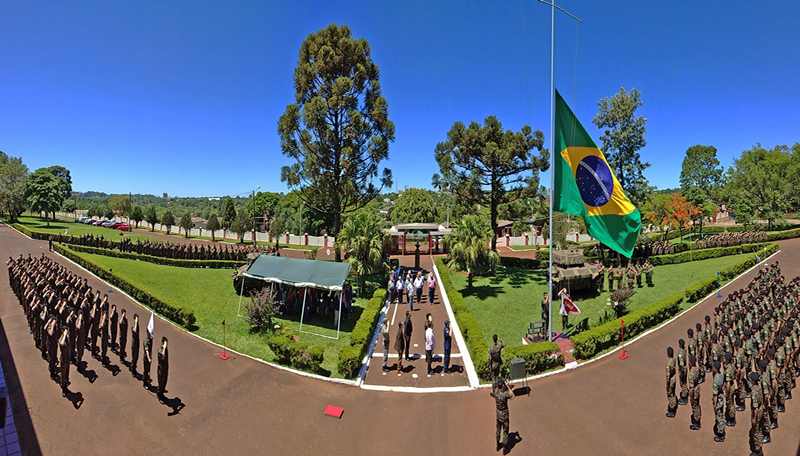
(335, 412)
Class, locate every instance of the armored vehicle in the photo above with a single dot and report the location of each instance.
(570, 271)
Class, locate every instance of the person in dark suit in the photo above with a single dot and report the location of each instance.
(63, 345)
(400, 345)
(104, 326)
(407, 330)
(123, 334)
(114, 318)
(163, 369)
(134, 344)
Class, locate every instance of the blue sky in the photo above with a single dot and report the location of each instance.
(184, 97)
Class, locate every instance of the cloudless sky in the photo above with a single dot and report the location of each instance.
(184, 97)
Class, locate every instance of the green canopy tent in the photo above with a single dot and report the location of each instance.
(322, 275)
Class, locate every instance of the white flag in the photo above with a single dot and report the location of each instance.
(150, 325)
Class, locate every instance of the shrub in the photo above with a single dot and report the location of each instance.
(279, 344)
(349, 361)
(299, 355)
(181, 316)
(539, 357)
(259, 310)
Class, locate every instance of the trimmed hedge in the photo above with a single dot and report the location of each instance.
(350, 356)
(589, 343)
(702, 289)
(539, 356)
(528, 263)
(781, 235)
(214, 264)
(705, 254)
(181, 316)
(296, 354)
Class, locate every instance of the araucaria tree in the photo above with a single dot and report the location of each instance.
(168, 220)
(212, 224)
(623, 137)
(338, 130)
(151, 217)
(487, 165)
(186, 223)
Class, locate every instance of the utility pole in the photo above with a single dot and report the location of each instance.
(254, 215)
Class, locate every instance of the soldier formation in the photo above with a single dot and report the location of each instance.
(232, 252)
(624, 277)
(651, 248)
(66, 318)
(731, 239)
(750, 345)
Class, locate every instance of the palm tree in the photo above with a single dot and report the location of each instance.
(468, 248)
(364, 239)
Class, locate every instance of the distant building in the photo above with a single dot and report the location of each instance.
(503, 228)
(165, 196)
(199, 222)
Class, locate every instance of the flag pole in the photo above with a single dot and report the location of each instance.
(553, 7)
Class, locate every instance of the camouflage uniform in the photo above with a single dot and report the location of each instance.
(694, 376)
(501, 397)
(718, 389)
(682, 371)
(672, 400)
(730, 394)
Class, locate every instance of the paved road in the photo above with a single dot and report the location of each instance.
(241, 406)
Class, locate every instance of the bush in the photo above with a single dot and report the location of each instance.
(279, 345)
(701, 289)
(350, 356)
(299, 355)
(538, 356)
(589, 343)
(259, 310)
(181, 316)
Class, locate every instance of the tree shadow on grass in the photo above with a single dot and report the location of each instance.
(519, 277)
(483, 292)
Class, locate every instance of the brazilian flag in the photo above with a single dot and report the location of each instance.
(586, 186)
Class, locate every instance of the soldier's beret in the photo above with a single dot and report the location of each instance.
(692, 359)
(779, 340)
(728, 356)
(690, 332)
(717, 365)
(785, 331)
(714, 337)
(754, 376)
(762, 364)
(771, 353)
(670, 351)
(698, 326)
(738, 315)
(737, 343)
(707, 318)
(681, 342)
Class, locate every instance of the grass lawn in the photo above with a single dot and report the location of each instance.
(209, 293)
(39, 224)
(506, 303)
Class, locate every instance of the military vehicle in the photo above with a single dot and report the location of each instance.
(571, 272)
(237, 277)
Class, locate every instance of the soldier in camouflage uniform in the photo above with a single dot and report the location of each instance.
(739, 362)
(718, 399)
(694, 393)
(648, 273)
(672, 400)
(701, 349)
(772, 407)
(682, 371)
(780, 363)
(611, 278)
(764, 385)
(631, 272)
(502, 394)
(730, 389)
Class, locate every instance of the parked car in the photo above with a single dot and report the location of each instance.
(124, 227)
(107, 223)
(95, 222)
(114, 225)
(82, 219)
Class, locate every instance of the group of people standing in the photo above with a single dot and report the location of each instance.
(66, 318)
(633, 272)
(731, 239)
(750, 346)
(402, 343)
(405, 283)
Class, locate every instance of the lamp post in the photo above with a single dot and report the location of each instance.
(254, 214)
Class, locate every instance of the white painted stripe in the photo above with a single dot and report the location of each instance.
(394, 314)
(394, 355)
(471, 373)
(413, 389)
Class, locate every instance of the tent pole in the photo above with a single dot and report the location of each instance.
(241, 292)
(339, 322)
(303, 311)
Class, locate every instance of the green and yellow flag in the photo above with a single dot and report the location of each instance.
(586, 186)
